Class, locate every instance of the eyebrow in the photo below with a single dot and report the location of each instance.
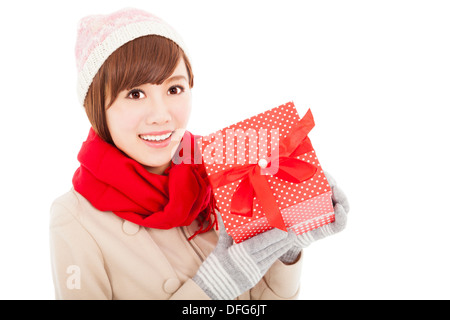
(176, 78)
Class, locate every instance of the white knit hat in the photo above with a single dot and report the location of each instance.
(100, 35)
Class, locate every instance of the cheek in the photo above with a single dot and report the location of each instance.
(182, 113)
(120, 119)
(120, 123)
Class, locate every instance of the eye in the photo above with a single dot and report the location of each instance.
(136, 94)
(175, 90)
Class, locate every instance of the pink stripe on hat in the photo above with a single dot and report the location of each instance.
(100, 35)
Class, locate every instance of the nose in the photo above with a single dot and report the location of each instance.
(158, 113)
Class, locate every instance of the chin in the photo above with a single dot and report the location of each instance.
(156, 162)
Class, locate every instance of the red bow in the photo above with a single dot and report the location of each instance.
(254, 176)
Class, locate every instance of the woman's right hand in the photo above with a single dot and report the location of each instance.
(231, 269)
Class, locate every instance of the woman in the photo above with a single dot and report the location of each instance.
(136, 225)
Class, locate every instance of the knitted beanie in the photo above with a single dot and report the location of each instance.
(100, 35)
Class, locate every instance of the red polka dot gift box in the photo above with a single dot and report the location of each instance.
(265, 174)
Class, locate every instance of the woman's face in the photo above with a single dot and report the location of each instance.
(148, 122)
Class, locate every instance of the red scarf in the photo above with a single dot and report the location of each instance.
(111, 181)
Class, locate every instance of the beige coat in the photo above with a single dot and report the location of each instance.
(97, 255)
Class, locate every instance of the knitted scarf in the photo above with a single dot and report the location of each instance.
(111, 181)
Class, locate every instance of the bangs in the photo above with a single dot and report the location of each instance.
(150, 59)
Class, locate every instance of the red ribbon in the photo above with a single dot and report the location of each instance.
(254, 178)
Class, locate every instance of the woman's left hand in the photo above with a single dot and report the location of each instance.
(341, 209)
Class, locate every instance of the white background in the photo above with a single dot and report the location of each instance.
(376, 75)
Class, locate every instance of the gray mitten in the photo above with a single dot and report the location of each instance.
(341, 208)
(231, 269)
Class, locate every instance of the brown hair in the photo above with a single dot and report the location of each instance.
(149, 59)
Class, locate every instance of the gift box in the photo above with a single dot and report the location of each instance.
(265, 174)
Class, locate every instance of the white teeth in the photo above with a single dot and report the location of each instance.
(156, 138)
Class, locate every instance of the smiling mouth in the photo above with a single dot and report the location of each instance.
(156, 138)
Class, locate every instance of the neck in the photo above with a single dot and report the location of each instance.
(157, 170)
